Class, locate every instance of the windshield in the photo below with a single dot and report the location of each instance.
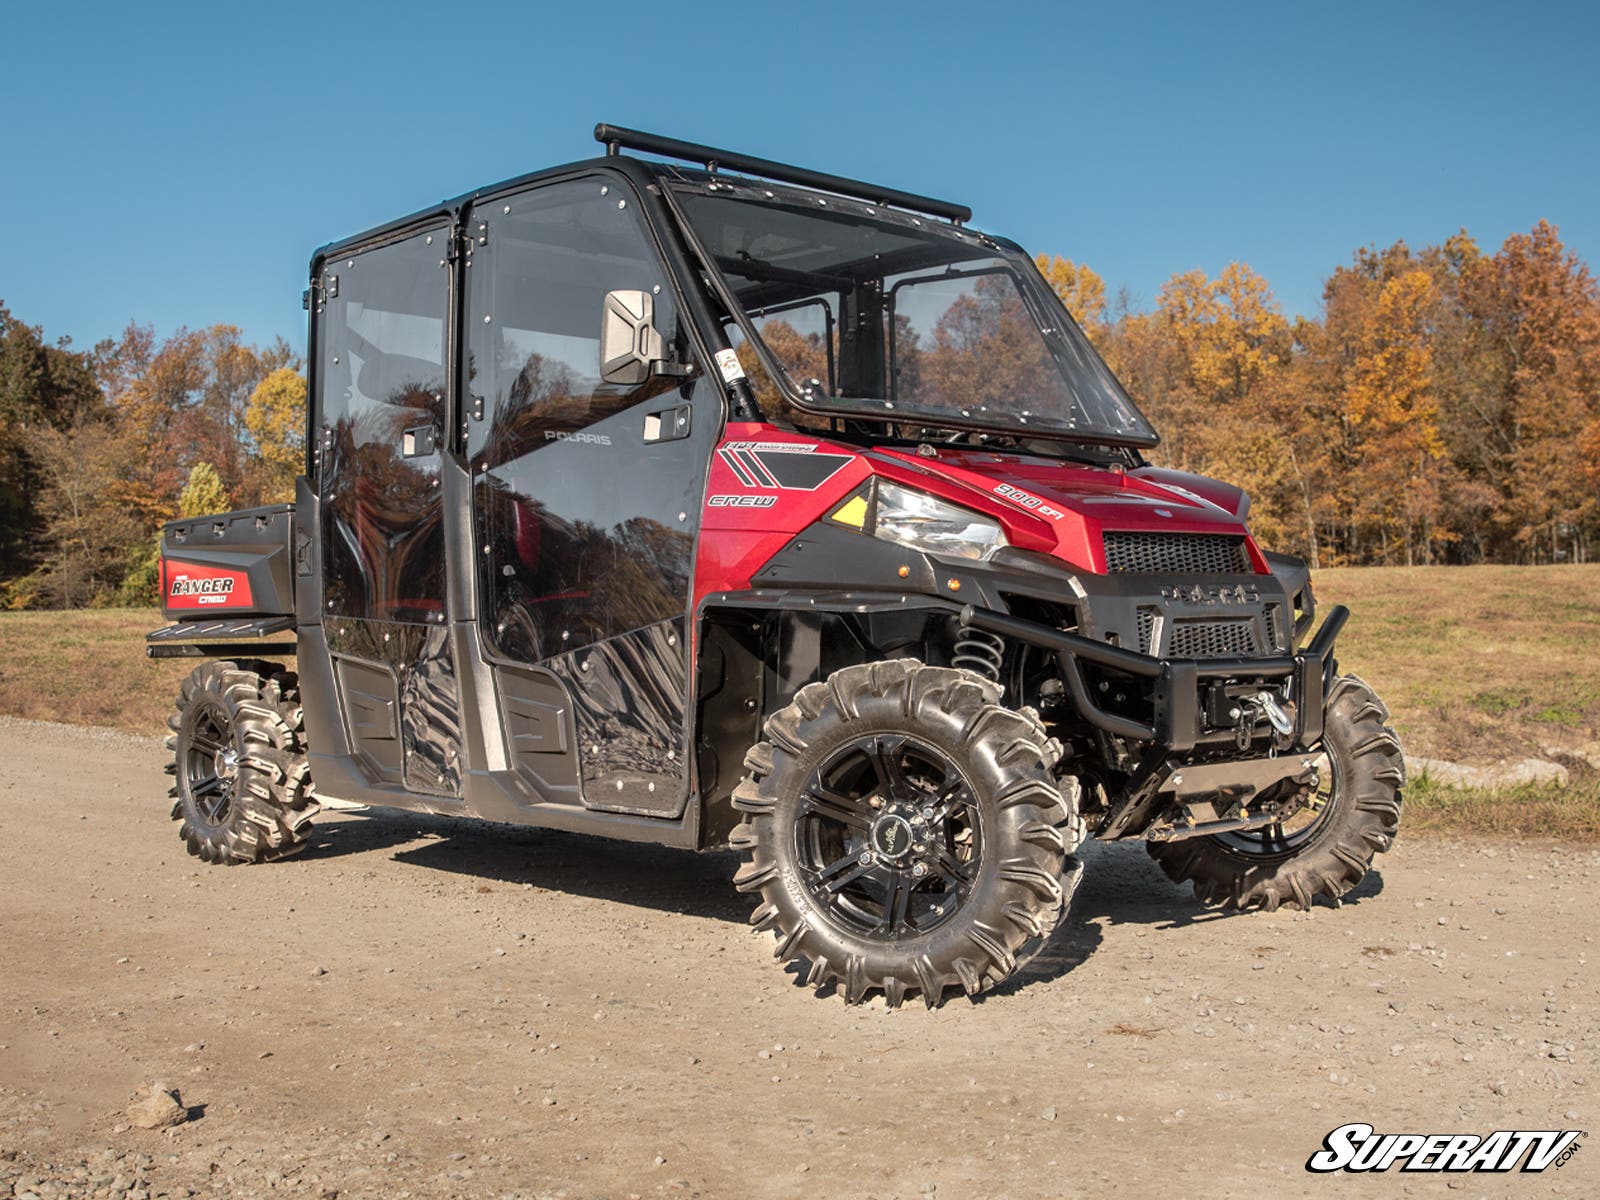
(865, 311)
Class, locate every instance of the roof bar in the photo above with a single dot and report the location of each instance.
(615, 137)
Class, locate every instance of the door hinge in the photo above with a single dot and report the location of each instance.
(464, 241)
(324, 288)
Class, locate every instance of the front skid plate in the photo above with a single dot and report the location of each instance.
(1208, 798)
(1241, 778)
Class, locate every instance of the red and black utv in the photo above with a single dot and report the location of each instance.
(705, 500)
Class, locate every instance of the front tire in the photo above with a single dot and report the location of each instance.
(1355, 817)
(241, 786)
(904, 832)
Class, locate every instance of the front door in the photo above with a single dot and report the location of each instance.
(586, 494)
(383, 336)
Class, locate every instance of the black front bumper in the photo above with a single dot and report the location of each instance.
(1175, 725)
(1151, 797)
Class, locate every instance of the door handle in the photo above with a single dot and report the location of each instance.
(669, 425)
(419, 441)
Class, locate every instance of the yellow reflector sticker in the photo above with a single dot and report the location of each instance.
(854, 512)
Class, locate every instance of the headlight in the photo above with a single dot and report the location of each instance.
(921, 522)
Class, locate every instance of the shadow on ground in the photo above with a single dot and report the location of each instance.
(656, 877)
(1121, 884)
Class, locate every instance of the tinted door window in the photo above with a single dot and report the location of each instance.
(381, 375)
(587, 528)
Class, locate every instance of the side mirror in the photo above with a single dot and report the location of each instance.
(629, 341)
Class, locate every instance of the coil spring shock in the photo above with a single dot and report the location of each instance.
(981, 651)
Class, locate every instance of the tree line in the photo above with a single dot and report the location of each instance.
(98, 447)
(1443, 407)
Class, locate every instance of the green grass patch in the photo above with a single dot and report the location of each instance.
(1568, 812)
(1501, 701)
(1560, 714)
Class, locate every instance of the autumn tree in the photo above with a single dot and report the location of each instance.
(185, 401)
(92, 535)
(1211, 364)
(1391, 403)
(42, 387)
(102, 444)
(275, 418)
(1080, 289)
(203, 494)
(1536, 308)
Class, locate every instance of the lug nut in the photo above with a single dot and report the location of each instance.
(927, 814)
(920, 869)
(866, 858)
(875, 802)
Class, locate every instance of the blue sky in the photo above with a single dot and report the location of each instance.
(177, 163)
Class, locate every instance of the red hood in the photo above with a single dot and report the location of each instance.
(1062, 508)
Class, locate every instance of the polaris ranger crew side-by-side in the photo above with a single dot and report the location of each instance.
(705, 500)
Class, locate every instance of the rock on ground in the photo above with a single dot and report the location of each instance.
(161, 1108)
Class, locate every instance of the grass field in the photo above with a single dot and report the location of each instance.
(1483, 665)
(86, 668)
(1478, 665)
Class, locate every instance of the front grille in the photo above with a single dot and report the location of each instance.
(1175, 553)
(1147, 626)
(1214, 639)
(1275, 627)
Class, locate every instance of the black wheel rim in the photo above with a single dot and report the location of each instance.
(210, 766)
(889, 837)
(1284, 839)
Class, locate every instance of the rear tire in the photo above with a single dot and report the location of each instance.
(1360, 818)
(904, 833)
(242, 788)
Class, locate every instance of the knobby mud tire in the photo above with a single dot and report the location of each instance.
(1027, 869)
(271, 803)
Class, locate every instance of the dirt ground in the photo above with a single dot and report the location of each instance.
(419, 1007)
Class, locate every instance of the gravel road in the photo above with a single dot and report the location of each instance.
(421, 1007)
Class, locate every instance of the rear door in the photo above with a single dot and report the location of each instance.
(586, 495)
(383, 339)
